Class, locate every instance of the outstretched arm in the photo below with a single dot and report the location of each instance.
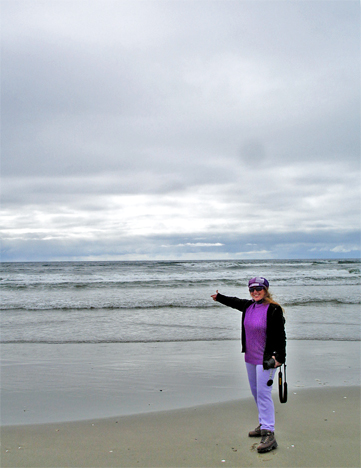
(234, 302)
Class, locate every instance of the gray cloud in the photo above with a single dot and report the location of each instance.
(179, 118)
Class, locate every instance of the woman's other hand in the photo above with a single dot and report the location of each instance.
(277, 364)
(214, 296)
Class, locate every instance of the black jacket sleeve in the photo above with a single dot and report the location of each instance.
(234, 302)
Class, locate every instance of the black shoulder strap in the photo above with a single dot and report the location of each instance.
(282, 387)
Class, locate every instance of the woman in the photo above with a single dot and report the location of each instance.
(264, 345)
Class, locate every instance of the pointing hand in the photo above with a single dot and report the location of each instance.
(214, 296)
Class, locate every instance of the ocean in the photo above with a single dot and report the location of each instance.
(165, 301)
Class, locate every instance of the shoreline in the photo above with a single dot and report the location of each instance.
(317, 427)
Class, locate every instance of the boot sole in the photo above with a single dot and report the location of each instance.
(268, 449)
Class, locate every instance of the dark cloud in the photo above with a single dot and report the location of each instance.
(253, 152)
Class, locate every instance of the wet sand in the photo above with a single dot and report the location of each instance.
(46, 383)
(317, 427)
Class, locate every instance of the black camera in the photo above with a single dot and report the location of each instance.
(270, 364)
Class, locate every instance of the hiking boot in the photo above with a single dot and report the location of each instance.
(268, 441)
(256, 432)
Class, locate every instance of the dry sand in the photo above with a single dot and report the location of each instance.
(315, 428)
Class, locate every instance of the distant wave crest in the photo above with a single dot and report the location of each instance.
(171, 305)
(171, 340)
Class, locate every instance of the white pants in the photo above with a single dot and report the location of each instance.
(258, 378)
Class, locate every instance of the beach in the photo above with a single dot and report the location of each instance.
(318, 426)
(133, 364)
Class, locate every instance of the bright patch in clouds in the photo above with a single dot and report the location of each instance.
(200, 244)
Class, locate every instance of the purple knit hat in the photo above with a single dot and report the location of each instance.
(258, 281)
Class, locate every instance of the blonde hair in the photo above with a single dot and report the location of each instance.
(268, 299)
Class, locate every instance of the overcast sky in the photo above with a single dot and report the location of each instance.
(180, 129)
